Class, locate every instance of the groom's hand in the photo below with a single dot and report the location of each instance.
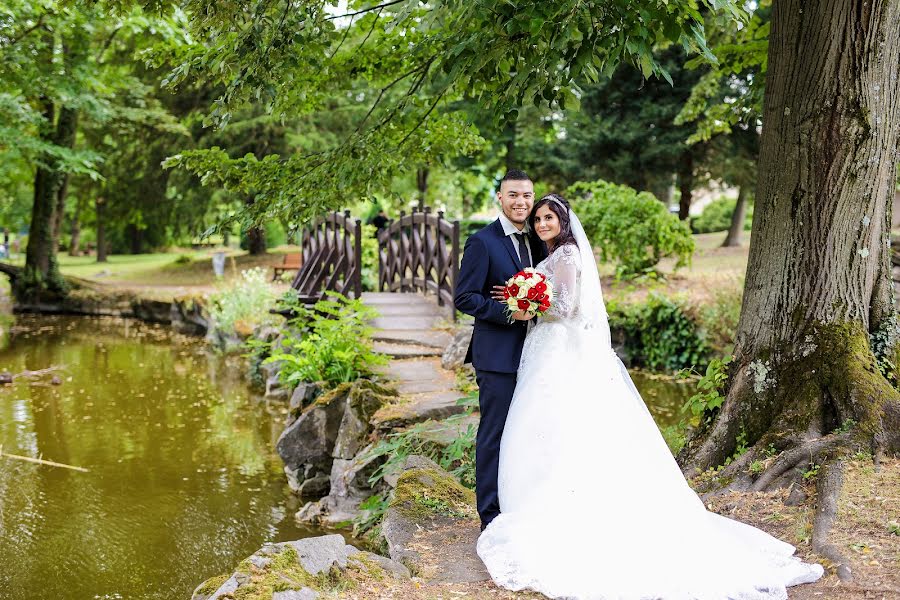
(521, 315)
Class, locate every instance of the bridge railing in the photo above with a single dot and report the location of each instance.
(331, 247)
(419, 252)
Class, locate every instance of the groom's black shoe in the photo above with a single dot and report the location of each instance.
(483, 526)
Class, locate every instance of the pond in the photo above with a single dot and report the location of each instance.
(183, 482)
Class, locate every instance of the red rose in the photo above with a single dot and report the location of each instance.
(532, 294)
(506, 294)
(524, 304)
(540, 286)
(541, 298)
(545, 305)
(513, 289)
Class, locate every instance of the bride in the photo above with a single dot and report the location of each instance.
(593, 506)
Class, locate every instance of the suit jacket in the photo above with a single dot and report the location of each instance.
(490, 259)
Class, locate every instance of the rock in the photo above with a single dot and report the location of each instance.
(309, 440)
(363, 402)
(6, 378)
(275, 389)
(349, 487)
(301, 594)
(300, 570)
(303, 396)
(455, 353)
(431, 510)
(187, 315)
(416, 409)
(152, 311)
(415, 461)
(316, 487)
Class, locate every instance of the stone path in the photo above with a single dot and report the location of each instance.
(413, 331)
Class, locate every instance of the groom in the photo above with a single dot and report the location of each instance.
(491, 257)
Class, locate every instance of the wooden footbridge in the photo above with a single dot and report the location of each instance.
(418, 262)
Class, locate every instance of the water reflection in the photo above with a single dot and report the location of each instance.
(663, 395)
(183, 483)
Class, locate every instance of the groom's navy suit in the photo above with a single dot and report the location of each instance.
(490, 259)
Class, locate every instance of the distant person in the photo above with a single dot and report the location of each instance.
(380, 221)
(5, 242)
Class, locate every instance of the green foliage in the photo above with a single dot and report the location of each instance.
(660, 334)
(718, 319)
(634, 229)
(717, 216)
(329, 343)
(711, 390)
(812, 472)
(369, 259)
(240, 306)
(412, 68)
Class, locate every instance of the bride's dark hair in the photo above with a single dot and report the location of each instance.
(560, 207)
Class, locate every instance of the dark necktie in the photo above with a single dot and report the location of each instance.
(524, 258)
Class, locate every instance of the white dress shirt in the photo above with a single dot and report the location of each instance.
(509, 229)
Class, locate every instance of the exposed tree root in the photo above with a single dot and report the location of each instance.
(828, 490)
(804, 454)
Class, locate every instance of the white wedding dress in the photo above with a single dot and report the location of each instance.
(593, 505)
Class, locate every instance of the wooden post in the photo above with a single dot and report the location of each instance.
(454, 264)
(439, 248)
(426, 254)
(357, 259)
(403, 251)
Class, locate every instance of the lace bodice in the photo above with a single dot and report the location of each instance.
(563, 269)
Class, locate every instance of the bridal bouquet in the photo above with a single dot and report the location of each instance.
(528, 290)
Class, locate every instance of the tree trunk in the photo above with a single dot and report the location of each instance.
(804, 381)
(66, 130)
(738, 215)
(685, 183)
(422, 185)
(75, 231)
(509, 134)
(100, 208)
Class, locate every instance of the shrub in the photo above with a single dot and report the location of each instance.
(330, 343)
(660, 334)
(719, 319)
(241, 305)
(369, 258)
(632, 228)
(717, 216)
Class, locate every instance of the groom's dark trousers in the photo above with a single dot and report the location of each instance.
(490, 259)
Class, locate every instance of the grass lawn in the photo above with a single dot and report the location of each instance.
(164, 275)
(714, 270)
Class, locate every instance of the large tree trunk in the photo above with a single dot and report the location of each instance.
(804, 378)
(100, 208)
(66, 130)
(685, 183)
(738, 215)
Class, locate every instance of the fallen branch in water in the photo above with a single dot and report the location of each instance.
(41, 461)
(7, 377)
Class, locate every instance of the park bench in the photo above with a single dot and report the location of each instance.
(290, 262)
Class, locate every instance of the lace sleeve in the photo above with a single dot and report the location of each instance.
(565, 283)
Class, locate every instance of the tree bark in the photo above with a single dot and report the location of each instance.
(422, 186)
(75, 231)
(256, 236)
(738, 215)
(100, 208)
(509, 134)
(818, 276)
(66, 130)
(685, 183)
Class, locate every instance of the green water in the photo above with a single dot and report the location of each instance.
(182, 484)
(663, 395)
